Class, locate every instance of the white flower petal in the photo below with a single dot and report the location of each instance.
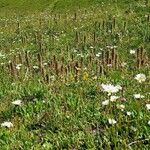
(7, 124)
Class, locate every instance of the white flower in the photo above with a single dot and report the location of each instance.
(17, 102)
(132, 51)
(149, 122)
(98, 54)
(129, 113)
(112, 121)
(81, 55)
(109, 65)
(148, 106)
(113, 98)
(35, 67)
(122, 107)
(18, 66)
(138, 96)
(106, 102)
(140, 77)
(109, 88)
(45, 64)
(7, 124)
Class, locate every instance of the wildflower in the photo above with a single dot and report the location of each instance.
(138, 96)
(112, 121)
(18, 66)
(113, 98)
(109, 88)
(7, 124)
(45, 64)
(98, 54)
(149, 122)
(148, 106)
(17, 102)
(129, 113)
(35, 67)
(81, 55)
(132, 51)
(106, 102)
(140, 77)
(109, 65)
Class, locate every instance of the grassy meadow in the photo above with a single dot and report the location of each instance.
(74, 75)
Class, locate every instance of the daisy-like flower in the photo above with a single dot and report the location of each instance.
(132, 51)
(113, 98)
(140, 77)
(7, 124)
(148, 106)
(138, 96)
(109, 88)
(106, 102)
(112, 121)
(17, 102)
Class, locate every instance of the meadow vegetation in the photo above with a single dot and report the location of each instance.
(75, 75)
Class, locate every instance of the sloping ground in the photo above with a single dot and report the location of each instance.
(67, 5)
(55, 70)
(23, 5)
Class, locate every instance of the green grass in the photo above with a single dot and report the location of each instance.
(62, 6)
(65, 57)
(41, 5)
